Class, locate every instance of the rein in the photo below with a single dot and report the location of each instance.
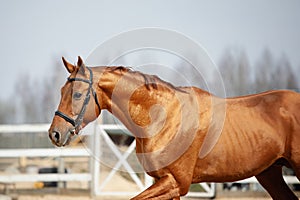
(78, 121)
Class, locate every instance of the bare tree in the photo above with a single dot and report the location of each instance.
(28, 99)
(267, 74)
(38, 98)
(235, 70)
(283, 76)
(263, 72)
(51, 91)
(271, 74)
(7, 111)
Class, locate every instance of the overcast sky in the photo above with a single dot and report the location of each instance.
(35, 34)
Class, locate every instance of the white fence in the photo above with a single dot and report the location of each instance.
(98, 134)
(40, 152)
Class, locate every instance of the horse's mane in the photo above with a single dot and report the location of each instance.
(151, 81)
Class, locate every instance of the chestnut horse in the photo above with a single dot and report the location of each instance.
(181, 136)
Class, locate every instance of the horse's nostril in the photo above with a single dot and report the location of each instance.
(56, 136)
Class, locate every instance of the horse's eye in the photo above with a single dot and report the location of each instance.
(77, 95)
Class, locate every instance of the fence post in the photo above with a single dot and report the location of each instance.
(61, 170)
(95, 150)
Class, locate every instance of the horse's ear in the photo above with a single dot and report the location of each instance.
(71, 68)
(81, 65)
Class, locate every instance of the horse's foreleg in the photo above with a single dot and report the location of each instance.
(271, 179)
(165, 188)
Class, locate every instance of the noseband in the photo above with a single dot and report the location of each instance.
(78, 121)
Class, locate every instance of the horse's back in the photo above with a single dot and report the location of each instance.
(276, 106)
(278, 109)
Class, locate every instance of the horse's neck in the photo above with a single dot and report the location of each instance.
(142, 109)
(121, 92)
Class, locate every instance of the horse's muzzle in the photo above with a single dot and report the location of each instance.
(59, 139)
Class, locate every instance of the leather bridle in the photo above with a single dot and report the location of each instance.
(78, 121)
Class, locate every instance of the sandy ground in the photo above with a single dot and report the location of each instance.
(55, 197)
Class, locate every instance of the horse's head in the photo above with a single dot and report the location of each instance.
(78, 105)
